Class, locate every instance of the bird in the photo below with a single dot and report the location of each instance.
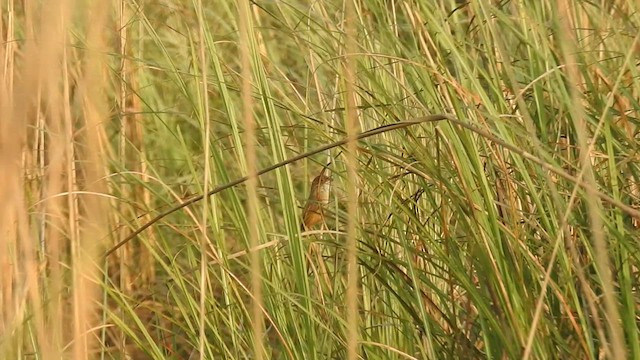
(313, 212)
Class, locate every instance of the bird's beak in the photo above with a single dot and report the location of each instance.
(325, 171)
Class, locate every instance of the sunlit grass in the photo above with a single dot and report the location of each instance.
(510, 232)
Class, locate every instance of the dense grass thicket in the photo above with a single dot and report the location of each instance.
(499, 218)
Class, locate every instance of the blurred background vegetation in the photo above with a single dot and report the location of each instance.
(512, 233)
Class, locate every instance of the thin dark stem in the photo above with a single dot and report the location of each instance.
(220, 188)
(379, 130)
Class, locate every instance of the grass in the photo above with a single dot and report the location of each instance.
(507, 229)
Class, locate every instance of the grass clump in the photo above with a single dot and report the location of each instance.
(505, 229)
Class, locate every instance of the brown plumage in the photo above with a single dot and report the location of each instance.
(313, 212)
